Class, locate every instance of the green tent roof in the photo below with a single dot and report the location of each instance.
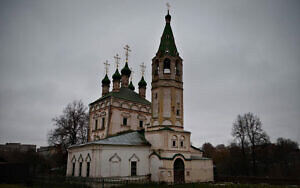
(167, 42)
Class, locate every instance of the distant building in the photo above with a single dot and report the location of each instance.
(9, 147)
(130, 136)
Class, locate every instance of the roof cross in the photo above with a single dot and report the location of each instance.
(168, 6)
(106, 66)
(127, 50)
(117, 58)
(143, 68)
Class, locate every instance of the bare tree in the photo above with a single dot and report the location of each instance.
(255, 134)
(239, 133)
(71, 126)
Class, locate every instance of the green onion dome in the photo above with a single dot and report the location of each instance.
(126, 70)
(117, 75)
(131, 86)
(106, 80)
(142, 82)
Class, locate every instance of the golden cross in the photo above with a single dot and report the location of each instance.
(127, 52)
(131, 75)
(106, 64)
(143, 67)
(168, 6)
(117, 58)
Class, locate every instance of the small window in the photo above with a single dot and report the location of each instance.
(96, 124)
(156, 95)
(73, 169)
(178, 112)
(167, 66)
(174, 143)
(133, 168)
(103, 123)
(80, 168)
(177, 68)
(88, 164)
(181, 143)
(124, 121)
(141, 124)
(156, 67)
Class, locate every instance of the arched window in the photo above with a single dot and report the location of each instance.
(174, 141)
(156, 67)
(182, 141)
(167, 66)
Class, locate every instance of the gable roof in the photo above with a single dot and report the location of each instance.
(126, 94)
(134, 138)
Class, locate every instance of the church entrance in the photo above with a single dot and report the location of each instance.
(178, 171)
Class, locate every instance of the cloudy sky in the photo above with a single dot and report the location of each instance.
(239, 56)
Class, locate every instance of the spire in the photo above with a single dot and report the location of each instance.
(167, 42)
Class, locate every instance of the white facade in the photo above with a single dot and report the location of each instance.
(108, 160)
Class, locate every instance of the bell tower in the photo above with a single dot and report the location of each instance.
(167, 85)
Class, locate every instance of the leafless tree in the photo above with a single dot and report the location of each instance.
(255, 134)
(71, 126)
(239, 132)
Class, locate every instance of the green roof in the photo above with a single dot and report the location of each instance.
(106, 80)
(126, 94)
(134, 138)
(167, 43)
(142, 82)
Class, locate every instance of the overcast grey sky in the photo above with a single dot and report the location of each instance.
(239, 56)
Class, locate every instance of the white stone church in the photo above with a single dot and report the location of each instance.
(130, 136)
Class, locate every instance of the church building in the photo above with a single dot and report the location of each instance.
(130, 136)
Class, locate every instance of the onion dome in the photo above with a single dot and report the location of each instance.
(142, 82)
(131, 86)
(116, 75)
(126, 70)
(106, 80)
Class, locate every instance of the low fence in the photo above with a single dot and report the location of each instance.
(256, 180)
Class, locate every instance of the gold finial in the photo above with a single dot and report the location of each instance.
(168, 6)
(131, 75)
(127, 50)
(106, 66)
(117, 58)
(143, 67)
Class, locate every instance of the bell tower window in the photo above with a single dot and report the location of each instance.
(167, 66)
(177, 71)
(156, 67)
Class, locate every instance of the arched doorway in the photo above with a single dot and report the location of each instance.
(178, 171)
